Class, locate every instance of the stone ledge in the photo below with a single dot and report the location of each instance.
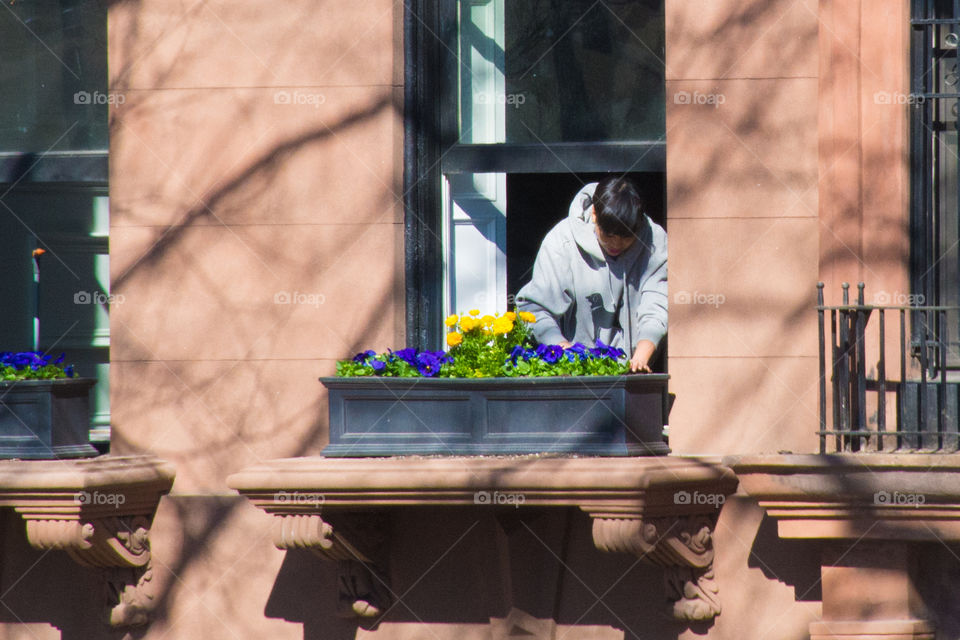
(872, 496)
(98, 510)
(613, 485)
(869, 511)
(873, 630)
(660, 509)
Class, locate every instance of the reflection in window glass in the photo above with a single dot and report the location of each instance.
(561, 71)
(54, 75)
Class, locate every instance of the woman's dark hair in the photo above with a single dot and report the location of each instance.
(619, 207)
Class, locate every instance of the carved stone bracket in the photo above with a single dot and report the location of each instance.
(99, 511)
(682, 545)
(361, 582)
(660, 508)
(106, 542)
(118, 545)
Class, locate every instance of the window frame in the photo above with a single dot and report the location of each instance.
(430, 150)
(925, 218)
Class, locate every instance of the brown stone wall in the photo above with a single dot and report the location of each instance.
(257, 155)
(742, 198)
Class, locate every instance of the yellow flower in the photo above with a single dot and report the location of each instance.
(510, 315)
(526, 316)
(487, 320)
(502, 325)
(451, 320)
(474, 312)
(454, 338)
(468, 324)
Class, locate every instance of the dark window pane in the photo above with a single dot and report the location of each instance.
(561, 71)
(54, 75)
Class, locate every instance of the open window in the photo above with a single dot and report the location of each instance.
(511, 107)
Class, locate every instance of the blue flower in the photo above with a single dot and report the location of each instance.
(378, 365)
(576, 350)
(441, 356)
(361, 357)
(60, 359)
(551, 353)
(22, 360)
(606, 351)
(427, 364)
(68, 370)
(407, 355)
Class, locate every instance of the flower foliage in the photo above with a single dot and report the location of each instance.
(32, 365)
(489, 346)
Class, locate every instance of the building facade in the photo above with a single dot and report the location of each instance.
(291, 185)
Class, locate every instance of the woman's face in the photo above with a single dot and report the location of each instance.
(612, 245)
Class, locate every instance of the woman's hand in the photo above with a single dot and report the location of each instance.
(641, 357)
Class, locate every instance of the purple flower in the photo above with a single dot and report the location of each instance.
(378, 365)
(576, 350)
(551, 353)
(407, 355)
(361, 357)
(21, 360)
(441, 356)
(68, 370)
(427, 364)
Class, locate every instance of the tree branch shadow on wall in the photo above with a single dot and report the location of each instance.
(304, 577)
(541, 561)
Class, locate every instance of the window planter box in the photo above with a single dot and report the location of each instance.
(45, 418)
(601, 416)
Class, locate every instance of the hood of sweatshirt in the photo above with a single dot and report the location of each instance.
(584, 229)
(581, 224)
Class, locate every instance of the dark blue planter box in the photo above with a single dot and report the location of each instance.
(45, 418)
(604, 416)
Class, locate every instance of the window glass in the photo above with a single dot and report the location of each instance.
(54, 75)
(560, 71)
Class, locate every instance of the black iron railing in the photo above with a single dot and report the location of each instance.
(918, 389)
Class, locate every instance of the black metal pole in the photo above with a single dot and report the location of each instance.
(882, 380)
(823, 380)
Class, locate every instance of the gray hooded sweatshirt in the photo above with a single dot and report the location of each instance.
(578, 294)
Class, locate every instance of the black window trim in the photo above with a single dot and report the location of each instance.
(428, 32)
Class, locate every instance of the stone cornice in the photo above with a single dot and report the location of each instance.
(661, 509)
(98, 510)
(597, 485)
(872, 496)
